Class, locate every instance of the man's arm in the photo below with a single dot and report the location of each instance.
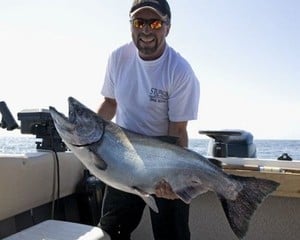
(179, 129)
(107, 110)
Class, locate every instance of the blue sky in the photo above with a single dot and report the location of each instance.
(246, 55)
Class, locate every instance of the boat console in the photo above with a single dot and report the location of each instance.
(230, 143)
(39, 123)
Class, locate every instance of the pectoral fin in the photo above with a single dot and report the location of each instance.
(98, 161)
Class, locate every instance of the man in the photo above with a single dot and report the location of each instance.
(151, 90)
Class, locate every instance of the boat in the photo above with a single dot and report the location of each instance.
(48, 194)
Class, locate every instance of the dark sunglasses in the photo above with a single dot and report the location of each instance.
(152, 23)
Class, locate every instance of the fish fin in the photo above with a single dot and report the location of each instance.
(98, 161)
(188, 193)
(216, 162)
(240, 210)
(168, 139)
(188, 188)
(148, 199)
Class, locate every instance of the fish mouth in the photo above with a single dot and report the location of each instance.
(60, 120)
(63, 125)
(76, 109)
(81, 128)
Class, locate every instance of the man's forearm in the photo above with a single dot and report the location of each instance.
(107, 110)
(178, 129)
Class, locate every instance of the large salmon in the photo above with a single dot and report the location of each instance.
(135, 163)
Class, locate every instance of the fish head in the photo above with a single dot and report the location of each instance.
(81, 128)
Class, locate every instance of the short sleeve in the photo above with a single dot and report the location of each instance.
(184, 98)
(109, 84)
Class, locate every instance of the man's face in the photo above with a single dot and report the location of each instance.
(150, 41)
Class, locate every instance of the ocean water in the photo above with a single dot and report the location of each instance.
(265, 149)
(268, 149)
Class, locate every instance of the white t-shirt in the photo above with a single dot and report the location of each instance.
(149, 94)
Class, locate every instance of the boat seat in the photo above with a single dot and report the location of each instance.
(60, 230)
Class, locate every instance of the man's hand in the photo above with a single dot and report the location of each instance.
(164, 190)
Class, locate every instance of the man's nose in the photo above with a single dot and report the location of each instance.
(146, 29)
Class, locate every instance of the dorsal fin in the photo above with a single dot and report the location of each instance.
(168, 139)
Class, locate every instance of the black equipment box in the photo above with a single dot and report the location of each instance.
(40, 123)
(231, 143)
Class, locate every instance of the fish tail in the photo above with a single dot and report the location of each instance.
(240, 210)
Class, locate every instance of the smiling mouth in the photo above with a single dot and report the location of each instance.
(147, 40)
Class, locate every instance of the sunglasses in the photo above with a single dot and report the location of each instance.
(154, 24)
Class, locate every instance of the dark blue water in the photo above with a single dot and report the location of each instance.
(265, 148)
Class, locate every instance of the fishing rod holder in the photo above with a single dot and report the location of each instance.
(40, 123)
(8, 121)
(230, 143)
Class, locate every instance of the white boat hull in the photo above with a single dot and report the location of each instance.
(26, 182)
